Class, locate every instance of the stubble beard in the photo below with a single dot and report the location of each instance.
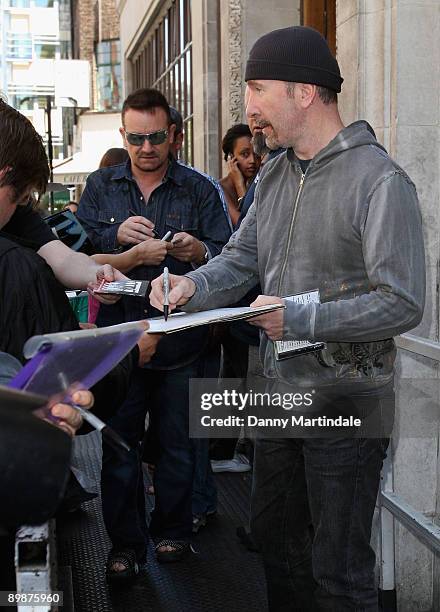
(272, 141)
(151, 168)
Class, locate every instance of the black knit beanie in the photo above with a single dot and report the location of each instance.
(297, 54)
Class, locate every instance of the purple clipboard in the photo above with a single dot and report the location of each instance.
(60, 363)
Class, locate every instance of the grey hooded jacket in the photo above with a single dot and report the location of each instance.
(350, 227)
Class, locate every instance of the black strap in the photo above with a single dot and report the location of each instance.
(172, 543)
(126, 557)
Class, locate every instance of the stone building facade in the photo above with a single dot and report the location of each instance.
(388, 52)
(218, 38)
(94, 22)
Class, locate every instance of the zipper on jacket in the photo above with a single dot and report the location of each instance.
(289, 238)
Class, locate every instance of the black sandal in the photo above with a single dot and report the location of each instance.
(181, 549)
(127, 558)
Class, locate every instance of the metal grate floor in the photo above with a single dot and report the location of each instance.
(223, 576)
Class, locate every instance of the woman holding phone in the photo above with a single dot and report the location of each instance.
(243, 164)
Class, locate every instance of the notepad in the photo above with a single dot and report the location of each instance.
(180, 321)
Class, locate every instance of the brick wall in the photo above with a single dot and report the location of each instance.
(84, 29)
(94, 20)
(109, 19)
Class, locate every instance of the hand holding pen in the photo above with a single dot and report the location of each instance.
(84, 399)
(134, 230)
(109, 435)
(166, 293)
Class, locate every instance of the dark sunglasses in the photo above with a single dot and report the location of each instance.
(154, 138)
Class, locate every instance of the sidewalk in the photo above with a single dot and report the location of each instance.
(221, 577)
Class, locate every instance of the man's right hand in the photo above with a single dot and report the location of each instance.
(134, 230)
(182, 289)
(151, 252)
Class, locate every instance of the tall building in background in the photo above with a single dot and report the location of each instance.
(30, 42)
(95, 39)
(163, 60)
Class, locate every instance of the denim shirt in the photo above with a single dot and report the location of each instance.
(185, 201)
(219, 188)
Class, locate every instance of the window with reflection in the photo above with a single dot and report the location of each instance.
(45, 50)
(44, 3)
(108, 63)
(19, 46)
(164, 61)
(20, 3)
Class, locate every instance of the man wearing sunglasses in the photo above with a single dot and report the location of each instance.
(143, 200)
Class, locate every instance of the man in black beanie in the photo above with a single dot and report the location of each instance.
(333, 213)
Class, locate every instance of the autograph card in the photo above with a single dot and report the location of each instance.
(136, 288)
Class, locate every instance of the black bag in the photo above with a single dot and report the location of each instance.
(69, 230)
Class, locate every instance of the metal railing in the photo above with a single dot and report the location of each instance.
(392, 506)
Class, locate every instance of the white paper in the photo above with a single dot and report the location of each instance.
(181, 320)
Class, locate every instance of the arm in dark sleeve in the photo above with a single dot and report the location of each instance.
(214, 230)
(102, 236)
(35, 305)
(37, 459)
(27, 228)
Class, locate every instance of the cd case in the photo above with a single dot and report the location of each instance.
(293, 348)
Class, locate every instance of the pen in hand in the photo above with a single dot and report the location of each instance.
(166, 291)
(108, 434)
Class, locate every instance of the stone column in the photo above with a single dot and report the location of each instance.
(206, 94)
(242, 23)
(388, 52)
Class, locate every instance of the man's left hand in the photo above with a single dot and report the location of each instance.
(271, 323)
(187, 248)
(109, 274)
(147, 347)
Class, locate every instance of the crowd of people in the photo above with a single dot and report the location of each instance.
(306, 203)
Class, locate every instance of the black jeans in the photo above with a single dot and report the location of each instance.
(311, 513)
(122, 483)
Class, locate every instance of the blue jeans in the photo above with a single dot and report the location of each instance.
(311, 513)
(122, 483)
(204, 497)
